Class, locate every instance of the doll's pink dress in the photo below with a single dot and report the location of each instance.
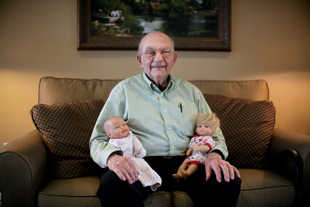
(132, 147)
(199, 158)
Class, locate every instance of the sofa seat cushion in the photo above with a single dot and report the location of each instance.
(159, 198)
(70, 192)
(181, 199)
(271, 189)
(83, 192)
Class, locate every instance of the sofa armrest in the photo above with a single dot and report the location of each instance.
(282, 140)
(23, 170)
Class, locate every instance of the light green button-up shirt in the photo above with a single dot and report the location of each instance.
(164, 121)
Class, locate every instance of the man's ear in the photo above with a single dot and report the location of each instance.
(175, 57)
(139, 60)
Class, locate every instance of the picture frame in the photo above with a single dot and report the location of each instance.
(88, 39)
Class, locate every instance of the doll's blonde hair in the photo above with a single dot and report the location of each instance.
(210, 119)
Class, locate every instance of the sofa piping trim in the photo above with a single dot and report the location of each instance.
(263, 188)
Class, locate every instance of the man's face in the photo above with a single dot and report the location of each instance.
(158, 67)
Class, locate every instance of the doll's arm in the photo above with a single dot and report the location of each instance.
(139, 150)
(203, 148)
(208, 142)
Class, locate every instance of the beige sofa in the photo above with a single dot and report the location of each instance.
(25, 163)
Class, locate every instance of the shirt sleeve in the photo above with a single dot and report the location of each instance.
(100, 148)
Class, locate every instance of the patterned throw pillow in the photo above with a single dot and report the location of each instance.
(66, 129)
(247, 127)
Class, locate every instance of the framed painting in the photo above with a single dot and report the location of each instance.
(120, 24)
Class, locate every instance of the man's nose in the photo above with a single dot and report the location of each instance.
(158, 57)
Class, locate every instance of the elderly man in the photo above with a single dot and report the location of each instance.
(160, 109)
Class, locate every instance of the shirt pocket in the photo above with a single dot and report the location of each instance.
(186, 118)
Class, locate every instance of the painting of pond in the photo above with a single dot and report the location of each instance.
(176, 18)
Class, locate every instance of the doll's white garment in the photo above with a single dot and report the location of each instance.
(132, 147)
(199, 158)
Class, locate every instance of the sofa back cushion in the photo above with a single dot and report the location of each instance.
(66, 129)
(247, 127)
(58, 90)
(256, 90)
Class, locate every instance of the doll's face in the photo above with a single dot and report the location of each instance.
(117, 128)
(203, 129)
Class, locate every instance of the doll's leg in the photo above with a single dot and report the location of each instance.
(179, 175)
(190, 170)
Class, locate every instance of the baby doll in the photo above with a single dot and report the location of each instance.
(199, 146)
(122, 138)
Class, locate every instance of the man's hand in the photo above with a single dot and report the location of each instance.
(217, 164)
(124, 168)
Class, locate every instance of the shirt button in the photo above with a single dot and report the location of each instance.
(165, 111)
(172, 147)
(161, 94)
(169, 128)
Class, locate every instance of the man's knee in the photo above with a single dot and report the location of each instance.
(224, 193)
(109, 182)
(115, 192)
(109, 178)
(230, 188)
(231, 191)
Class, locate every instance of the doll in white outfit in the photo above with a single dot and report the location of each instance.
(122, 138)
(199, 146)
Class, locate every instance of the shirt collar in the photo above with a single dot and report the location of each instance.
(153, 87)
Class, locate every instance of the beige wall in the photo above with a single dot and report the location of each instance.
(270, 40)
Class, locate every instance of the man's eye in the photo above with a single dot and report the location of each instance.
(151, 52)
(165, 52)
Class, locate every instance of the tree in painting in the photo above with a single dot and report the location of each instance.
(185, 18)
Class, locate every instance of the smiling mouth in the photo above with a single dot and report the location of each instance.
(158, 66)
(126, 133)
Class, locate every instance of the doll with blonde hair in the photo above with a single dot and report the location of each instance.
(199, 146)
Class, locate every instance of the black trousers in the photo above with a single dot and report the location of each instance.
(115, 192)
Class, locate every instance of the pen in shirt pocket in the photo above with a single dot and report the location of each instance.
(181, 108)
